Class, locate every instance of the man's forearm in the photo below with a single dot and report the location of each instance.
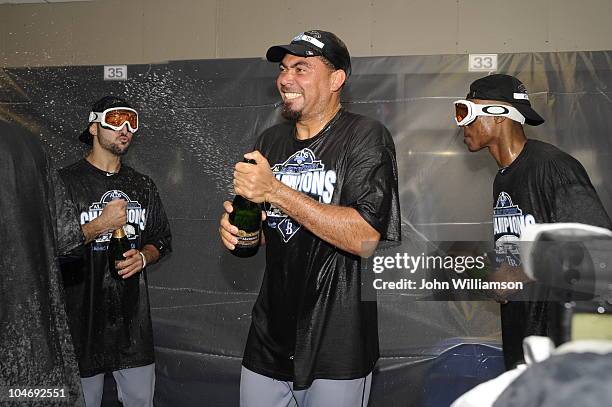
(340, 226)
(93, 229)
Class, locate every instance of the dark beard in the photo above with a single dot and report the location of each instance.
(289, 114)
(117, 150)
(114, 148)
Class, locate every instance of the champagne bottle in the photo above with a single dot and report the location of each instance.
(118, 245)
(246, 216)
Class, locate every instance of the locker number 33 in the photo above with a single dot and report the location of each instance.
(483, 62)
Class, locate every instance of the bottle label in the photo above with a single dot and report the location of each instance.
(248, 239)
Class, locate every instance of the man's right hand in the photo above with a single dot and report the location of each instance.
(114, 215)
(227, 231)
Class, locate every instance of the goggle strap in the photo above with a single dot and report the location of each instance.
(95, 117)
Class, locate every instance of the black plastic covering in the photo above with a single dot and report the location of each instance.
(198, 117)
(37, 358)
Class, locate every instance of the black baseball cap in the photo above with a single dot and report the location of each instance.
(508, 89)
(315, 43)
(101, 105)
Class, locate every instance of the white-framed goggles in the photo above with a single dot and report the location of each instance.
(466, 112)
(116, 117)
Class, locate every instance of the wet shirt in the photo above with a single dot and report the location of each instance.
(542, 185)
(110, 318)
(309, 321)
(38, 224)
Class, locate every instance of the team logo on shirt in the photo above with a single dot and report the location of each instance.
(303, 172)
(136, 216)
(508, 224)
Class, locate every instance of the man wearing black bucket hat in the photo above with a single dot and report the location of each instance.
(536, 183)
(109, 314)
(327, 180)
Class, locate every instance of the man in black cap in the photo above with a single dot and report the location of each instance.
(109, 314)
(536, 183)
(327, 179)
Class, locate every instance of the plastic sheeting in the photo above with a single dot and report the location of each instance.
(198, 117)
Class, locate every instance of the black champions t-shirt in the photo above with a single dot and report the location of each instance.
(542, 185)
(110, 319)
(309, 321)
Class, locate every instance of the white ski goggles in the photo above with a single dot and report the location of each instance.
(466, 112)
(116, 117)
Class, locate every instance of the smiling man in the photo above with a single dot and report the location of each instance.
(109, 314)
(327, 180)
(536, 183)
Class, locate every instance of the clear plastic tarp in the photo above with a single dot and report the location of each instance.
(199, 117)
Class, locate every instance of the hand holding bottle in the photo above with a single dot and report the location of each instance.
(228, 232)
(117, 246)
(255, 182)
(240, 225)
(123, 261)
(114, 214)
(133, 263)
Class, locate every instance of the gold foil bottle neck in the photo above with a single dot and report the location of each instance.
(119, 233)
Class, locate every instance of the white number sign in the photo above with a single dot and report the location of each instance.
(483, 62)
(115, 72)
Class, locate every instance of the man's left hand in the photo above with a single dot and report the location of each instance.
(131, 265)
(255, 182)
